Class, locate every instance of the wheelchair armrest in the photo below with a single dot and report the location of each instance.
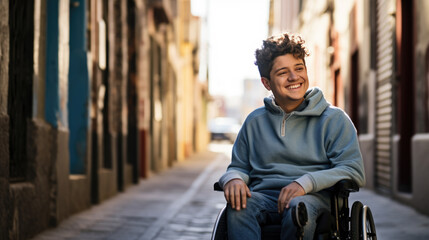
(344, 187)
(217, 187)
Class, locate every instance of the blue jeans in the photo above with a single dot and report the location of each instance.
(262, 207)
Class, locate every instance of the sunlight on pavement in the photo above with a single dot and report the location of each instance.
(221, 147)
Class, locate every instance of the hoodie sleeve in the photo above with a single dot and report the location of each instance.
(239, 166)
(342, 150)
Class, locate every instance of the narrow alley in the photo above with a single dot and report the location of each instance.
(180, 204)
(108, 108)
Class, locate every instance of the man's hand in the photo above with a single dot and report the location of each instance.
(236, 193)
(287, 194)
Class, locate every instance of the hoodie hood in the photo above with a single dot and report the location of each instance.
(313, 105)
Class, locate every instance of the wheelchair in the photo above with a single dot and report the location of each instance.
(339, 223)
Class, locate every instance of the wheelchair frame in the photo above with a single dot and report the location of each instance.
(346, 224)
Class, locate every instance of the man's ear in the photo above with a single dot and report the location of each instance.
(266, 83)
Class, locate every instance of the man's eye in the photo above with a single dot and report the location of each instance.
(299, 69)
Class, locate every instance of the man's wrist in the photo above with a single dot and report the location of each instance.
(227, 177)
(306, 183)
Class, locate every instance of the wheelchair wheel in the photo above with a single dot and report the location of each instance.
(362, 223)
(219, 230)
(355, 221)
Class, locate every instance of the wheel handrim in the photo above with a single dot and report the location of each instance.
(368, 229)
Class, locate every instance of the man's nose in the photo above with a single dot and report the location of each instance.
(292, 76)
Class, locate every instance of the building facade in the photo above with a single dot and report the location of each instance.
(371, 59)
(95, 95)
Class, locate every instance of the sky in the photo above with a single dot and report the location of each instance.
(236, 29)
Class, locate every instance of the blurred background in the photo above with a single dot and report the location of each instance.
(96, 95)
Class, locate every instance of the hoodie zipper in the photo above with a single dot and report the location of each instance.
(285, 118)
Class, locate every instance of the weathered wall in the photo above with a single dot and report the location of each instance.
(49, 193)
(4, 118)
(420, 142)
(32, 202)
(421, 56)
(420, 153)
(4, 55)
(4, 173)
(62, 162)
(366, 142)
(61, 185)
(80, 193)
(143, 95)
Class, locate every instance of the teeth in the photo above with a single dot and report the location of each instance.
(294, 86)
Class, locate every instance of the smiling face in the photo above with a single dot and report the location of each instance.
(288, 81)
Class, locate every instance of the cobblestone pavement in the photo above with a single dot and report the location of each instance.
(180, 203)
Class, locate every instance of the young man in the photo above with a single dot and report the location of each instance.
(289, 151)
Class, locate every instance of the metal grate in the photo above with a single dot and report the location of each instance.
(384, 96)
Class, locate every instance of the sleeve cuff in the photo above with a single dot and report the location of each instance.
(228, 176)
(306, 183)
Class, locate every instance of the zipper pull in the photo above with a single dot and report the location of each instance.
(283, 130)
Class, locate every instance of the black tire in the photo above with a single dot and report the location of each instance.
(220, 229)
(355, 221)
(370, 226)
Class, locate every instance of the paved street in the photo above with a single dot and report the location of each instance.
(393, 220)
(179, 204)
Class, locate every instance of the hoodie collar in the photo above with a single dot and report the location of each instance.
(313, 105)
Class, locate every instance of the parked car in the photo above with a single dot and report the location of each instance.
(224, 128)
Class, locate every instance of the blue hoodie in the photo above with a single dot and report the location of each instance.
(316, 145)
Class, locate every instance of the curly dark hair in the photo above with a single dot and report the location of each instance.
(276, 46)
